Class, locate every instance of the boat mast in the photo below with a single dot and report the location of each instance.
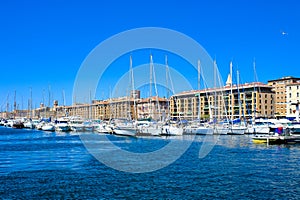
(30, 102)
(49, 95)
(7, 105)
(231, 93)
(150, 87)
(168, 76)
(90, 106)
(15, 104)
(255, 80)
(215, 92)
(63, 102)
(239, 99)
(44, 111)
(199, 103)
(132, 89)
(157, 107)
(167, 85)
(150, 84)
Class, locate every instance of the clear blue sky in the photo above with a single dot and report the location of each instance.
(43, 43)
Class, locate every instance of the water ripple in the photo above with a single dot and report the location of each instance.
(40, 165)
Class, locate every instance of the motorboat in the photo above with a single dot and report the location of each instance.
(29, 124)
(88, 126)
(62, 125)
(76, 124)
(48, 127)
(104, 128)
(18, 124)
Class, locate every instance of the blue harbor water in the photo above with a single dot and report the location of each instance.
(49, 165)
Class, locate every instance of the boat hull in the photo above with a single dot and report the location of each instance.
(125, 132)
(172, 131)
(276, 139)
(199, 131)
(48, 128)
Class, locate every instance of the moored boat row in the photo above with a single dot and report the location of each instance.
(264, 131)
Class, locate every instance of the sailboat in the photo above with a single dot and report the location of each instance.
(218, 128)
(171, 128)
(236, 127)
(151, 128)
(127, 127)
(196, 127)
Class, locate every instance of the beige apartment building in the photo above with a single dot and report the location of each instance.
(280, 101)
(229, 102)
(293, 100)
(132, 107)
(156, 108)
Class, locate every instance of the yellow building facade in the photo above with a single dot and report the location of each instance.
(229, 102)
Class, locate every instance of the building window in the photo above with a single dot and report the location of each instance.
(297, 94)
(290, 95)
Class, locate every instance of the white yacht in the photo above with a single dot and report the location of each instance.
(76, 124)
(237, 130)
(172, 129)
(62, 125)
(48, 127)
(29, 124)
(104, 128)
(88, 126)
(125, 131)
(262, 126)
(196, 128)
(148, 128)
(9, 123)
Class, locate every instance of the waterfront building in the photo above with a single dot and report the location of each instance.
(153, 108)
(58, 110)
(101, 109)
(278, 98)
(83, 110)
(4, 115)
(242, 101)
(132, 107)
(43, 112)
(122, 107)
(279, 86)
(293, 100)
